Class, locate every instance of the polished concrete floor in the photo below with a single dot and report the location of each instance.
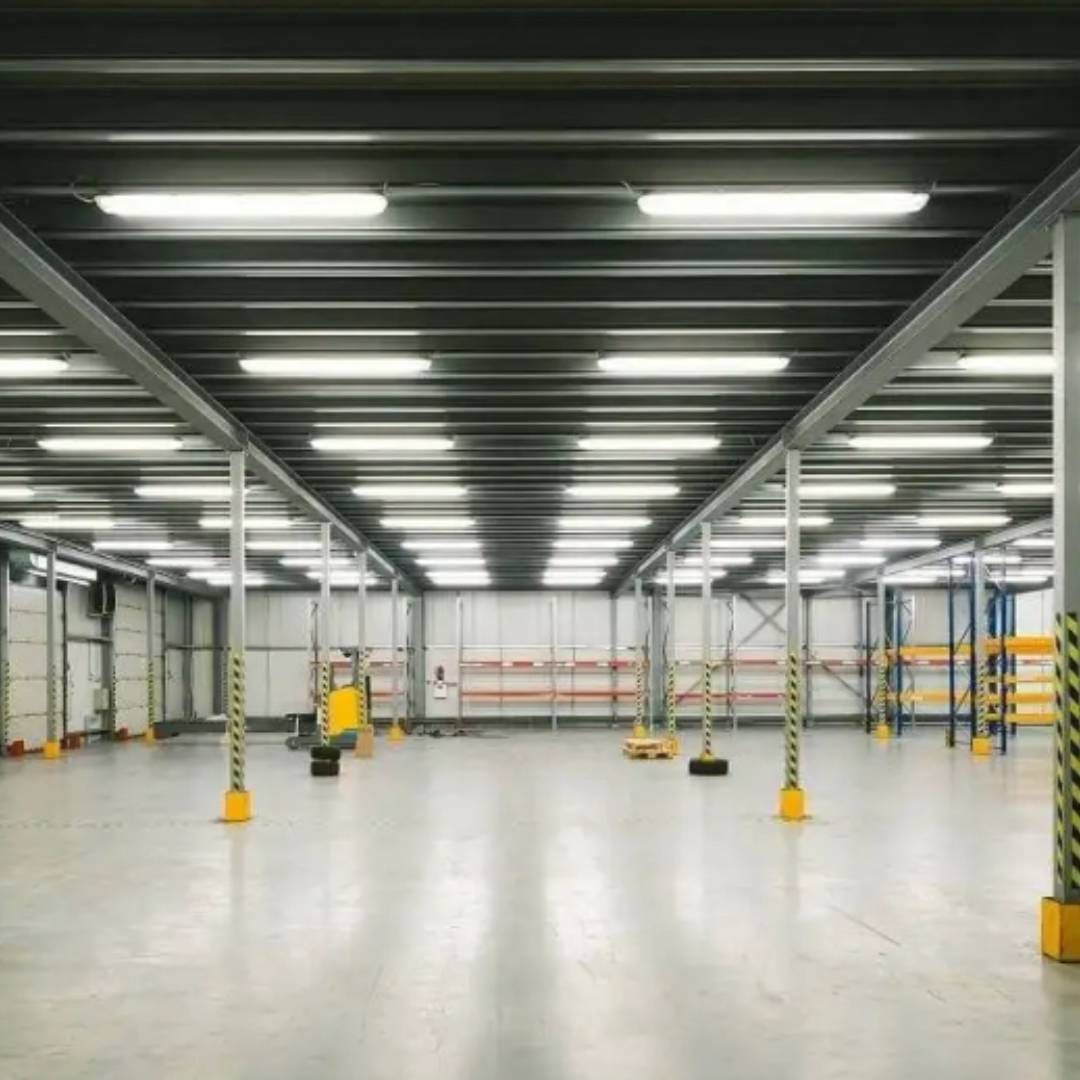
(531, 906)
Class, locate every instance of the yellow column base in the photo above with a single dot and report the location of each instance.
(1060, 930)
(671, 744)
(237, 807)
(639, 732)
(980, 745)
(149, 736)
(792, 804)
(51, 751)
(365, 741)
(882, 731)
(396, 733)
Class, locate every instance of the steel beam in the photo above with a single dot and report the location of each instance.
(38, 273)
(1009, 249)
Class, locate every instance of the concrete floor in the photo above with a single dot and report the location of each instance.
(531, 906)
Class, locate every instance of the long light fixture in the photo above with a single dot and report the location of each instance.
(685, 577)
(310, 562)
(55, 522)
(110, 444)
(334, 367)
(283, 545)
(224, 577)
(599, 524)
(806, 577)
(283, 206)
(900, 543)
(719, 560)
(920, 442)
(340, 579)
(1044, 543)
(566, 579)
(649, 444)
(183, 562)
(204, 492)
(597, 560)
(1030, 489)
(450, 578)
(69, 571)
(913, 577)
(778, 521)
(441, 545)
(425, 524)
(592, 543)
(990, 558)
(853, 559)
(715, 365)
(1007, 363)
(622, 492)
(1022, 577)
(15, 492)
(410, 492)
(249, 522)
(132, 545)
(451, 560)
(748, 543)
(795, 205)
(962, 521)
(867, 490)
(19, 367)
(379, 444)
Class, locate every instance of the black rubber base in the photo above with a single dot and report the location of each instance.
(325, 768)
(708, 766)
(326, 753)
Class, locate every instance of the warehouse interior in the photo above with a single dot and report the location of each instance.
(540, 540)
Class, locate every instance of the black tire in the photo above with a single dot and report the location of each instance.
(708, 766)
(325, 768)
(326, 753)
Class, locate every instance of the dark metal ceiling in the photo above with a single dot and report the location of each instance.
(512, 146)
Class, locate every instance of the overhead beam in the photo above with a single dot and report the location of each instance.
(38, 273)
(1021, 239)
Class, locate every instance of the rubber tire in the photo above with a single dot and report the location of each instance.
(325, 768)
(715, 767)
(326, 753)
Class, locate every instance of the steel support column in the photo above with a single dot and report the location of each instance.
(706, 753)
(980, 742)
(881, 693)
(396, 733)
(1061, 911)
(553, 616)
(237, 798)
(459, 648)
(671, 701)
(151, 659)
(51, 750)
(639, 731)
(323, 704)
(792, 796)
(5, 651)
(364, 729)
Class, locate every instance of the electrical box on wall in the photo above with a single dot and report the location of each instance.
(101, 699)
(102, 599)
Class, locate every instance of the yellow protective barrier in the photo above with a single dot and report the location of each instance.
(343, 711)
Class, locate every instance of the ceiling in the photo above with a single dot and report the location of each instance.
(512, 147)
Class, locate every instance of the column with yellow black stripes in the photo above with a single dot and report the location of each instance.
(980, 737)
(151, 664)
(237, 797)
(1060, 912)
(881, 691)
(706, 763)
(671, 705)
(792, 796)
(639, 731)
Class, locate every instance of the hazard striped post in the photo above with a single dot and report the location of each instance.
(237, 797)
(151, 665)
(1060, 925)
(639, 731)
(881, 695)
(980, 739)
(323, 705)
(706, 641)
(792, 797)
(671, 705)
(5, 651)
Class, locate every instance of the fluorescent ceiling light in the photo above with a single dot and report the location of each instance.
(806, 577)
(683, 577)
(75, 524)
(899, 543)
(920, 442)
(598, 524)
(244, 205)
(249, 523)
(18, 367)
(441, 545)
(1022, 577)
(283, 545)
(921, 577)
(132, 545)
(397, 444)
(410, 492)
(675, 366)
(462, 577)
(778, 521)
(1026, 489)
(39, 565)
(308, 562)
(451, 560)
(854, 559)
(1042, 542)
(619, 492)
(649, 444)
(342, 578)
(224, 577)
(846, 491)
(1008, 363)
(597, 560)
(719, 560)
(749, 543)
(15, 492)
(110, 444)
(334, 367)
(205, 492)
(435, 524)
(111, 425)
(962, 521)
(184, 562)
(995, 558)
(592, 543)
(791, 205)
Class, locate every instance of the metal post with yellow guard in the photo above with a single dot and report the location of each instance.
(396, 733)
(671, 701)
(706, 764)
(237, 798)
(51, 750)
(365, 733)
(151, 665)
(792, 796)
(639, 731)
(325, 758)
(1060, 912)
(881, 695)
(980, 739)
